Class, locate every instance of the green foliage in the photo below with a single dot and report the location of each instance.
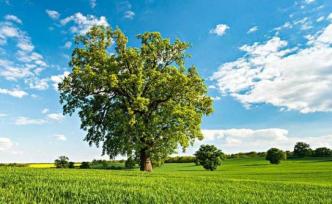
(14, 165)
(181, 159)
(71, 165)
(61, 162)
(140, 100)
(323, 152)
(85, 165)
(130, 163)
(246, 155)
(275, 155)
(209, 157)
(305, 180)
(302, 149)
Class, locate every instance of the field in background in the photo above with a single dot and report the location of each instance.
(250, 180)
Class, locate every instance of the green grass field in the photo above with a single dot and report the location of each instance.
(237, 181)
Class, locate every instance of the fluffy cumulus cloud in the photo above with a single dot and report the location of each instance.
(13, 18)
(13, 92)
(220, 29)
(287, 77)
(245, 140)
(80, 23)
(5, 144)
(24, 63)
(56, 79)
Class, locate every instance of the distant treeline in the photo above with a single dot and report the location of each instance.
(13, 165)
(300, 150)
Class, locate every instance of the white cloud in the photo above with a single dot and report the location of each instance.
(216, 98)
(8, 31)
(60, 137)
(13, 19)
(329, 16)
(39, 84)
(129, 14)
(13, 92)
(44, 111)
(93, 3)
(252, 29)
(5, 143)
(245, 140)
(291, 78)
(320, 19)
(67, 45)
(220, 29)
(3, 115)
(53, 14)
(81, 24)
(55, 116)
(56, 79)
(29, 121)
(309, 1)
(28, 63)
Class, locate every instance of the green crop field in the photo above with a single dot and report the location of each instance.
(237, 181)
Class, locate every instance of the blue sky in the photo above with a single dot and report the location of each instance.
(268, 65)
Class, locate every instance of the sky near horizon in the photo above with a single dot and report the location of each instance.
(268, 65)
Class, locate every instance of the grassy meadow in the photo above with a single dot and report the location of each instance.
(251, 180)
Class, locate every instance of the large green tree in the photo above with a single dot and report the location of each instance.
(134, 101)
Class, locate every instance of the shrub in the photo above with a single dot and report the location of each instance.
(275, 155)
(62, 162)
(209, 157)
(322, 152)
(302, 149)
(85, 165)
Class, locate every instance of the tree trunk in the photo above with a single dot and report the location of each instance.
(145, 161)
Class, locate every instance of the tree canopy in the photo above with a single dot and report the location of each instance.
(302, 149)
(275, 155)
(209, 157)
(139, 101)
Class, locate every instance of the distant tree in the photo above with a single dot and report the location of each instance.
(71, 165)
(85, 165)
(302, 149)
(275, 155)
(322, 152)
(289, 154)
(130, 163)
(135, 100)
(209, 157)
(62, 162)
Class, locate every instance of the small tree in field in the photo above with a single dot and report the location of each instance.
(275, 155)
(130, 163)
(302, 149)
(62, 162)
(139, 101)
(209, 157)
